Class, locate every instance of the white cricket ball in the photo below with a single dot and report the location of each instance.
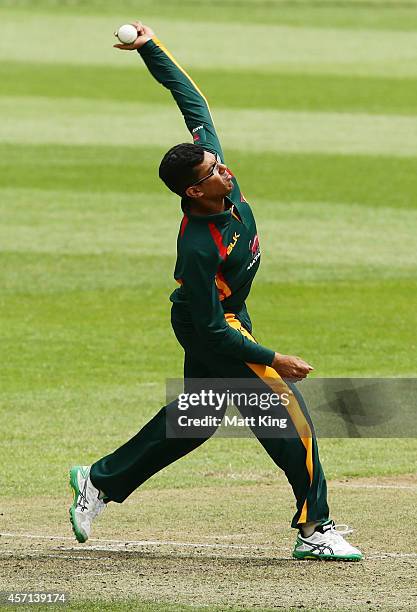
(127, 34)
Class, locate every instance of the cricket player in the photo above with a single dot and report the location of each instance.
(218, 255)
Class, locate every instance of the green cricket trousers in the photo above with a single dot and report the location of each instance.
(150, 450)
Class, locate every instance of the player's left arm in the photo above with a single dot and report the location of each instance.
(190, 100)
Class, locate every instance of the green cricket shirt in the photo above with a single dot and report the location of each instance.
(217, 255)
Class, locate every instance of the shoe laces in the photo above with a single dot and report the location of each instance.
(345, 531)
(337, 532)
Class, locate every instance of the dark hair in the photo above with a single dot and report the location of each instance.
(176, 169)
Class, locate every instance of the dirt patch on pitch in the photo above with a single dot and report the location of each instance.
(218, 547)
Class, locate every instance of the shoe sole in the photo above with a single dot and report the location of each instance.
(308, 557)
(80, 535)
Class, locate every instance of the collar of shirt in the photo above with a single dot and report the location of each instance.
(218, 218)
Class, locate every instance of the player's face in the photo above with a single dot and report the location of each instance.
(214, 180)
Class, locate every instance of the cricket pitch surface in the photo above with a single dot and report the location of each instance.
(227, 548)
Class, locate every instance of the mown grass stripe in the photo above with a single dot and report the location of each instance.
(227, 88)
(49, 273)
(114, 337)
(372, 14)
(369, 180)
(65, 223)
(89, 40)
(55, 121)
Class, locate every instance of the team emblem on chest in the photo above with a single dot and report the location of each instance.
(254, 245)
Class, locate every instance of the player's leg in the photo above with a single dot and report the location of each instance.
(149, 451)
(296, 453)
(294, 449)
(117, 475)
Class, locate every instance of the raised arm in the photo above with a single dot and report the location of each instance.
(191, 101)
(198, 273)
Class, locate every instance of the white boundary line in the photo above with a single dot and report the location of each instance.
(122, 544)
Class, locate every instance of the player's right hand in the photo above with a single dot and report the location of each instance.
(144, 34)
(291, 367)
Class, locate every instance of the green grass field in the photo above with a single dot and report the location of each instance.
(322, 135)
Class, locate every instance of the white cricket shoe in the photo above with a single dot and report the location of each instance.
(86, 505)
(327, 542)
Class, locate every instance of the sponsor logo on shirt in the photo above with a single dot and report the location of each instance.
(233, 243)
(255, 250)
(254, 260)
(196, 136)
